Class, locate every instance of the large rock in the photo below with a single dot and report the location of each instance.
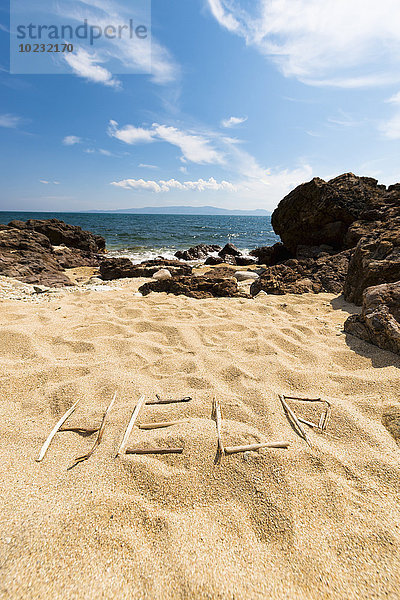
(271, 255)
(379, 322)
(376, 259)
(325, 274)
(60, 233)
(194, 287)
(28, 256)
(118, 268)
(198, 252)
(320, 212)
(229, 250)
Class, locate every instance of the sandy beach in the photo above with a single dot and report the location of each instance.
(306, 522)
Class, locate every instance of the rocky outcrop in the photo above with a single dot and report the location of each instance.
(325, 274)
(379, 322)
(119, 268)
(320, 212)
(28, 256)
(376, 259)
(194, 287)
(39, 251)
(60, 233)
(198, 252)
(229, 250)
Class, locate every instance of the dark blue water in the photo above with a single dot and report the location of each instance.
(147, 236)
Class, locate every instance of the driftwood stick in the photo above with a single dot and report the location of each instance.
(161, 425)
(304, 399)
(154, 451)
(131, 423)
(54, 431)
(324, 418)
(253, 447)
(82, 430)
(168, 400)
(309, 423)
(292, 417)
(80, 459)
(217, 416)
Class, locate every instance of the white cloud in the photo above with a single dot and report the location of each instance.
(233, 121)
(343, 43)
(144, 166)
(86, 65)
(132, 54)
(46, 182)
(9, 121)
(200, 185)
(71, 140)
(391, 128)
(194, 147)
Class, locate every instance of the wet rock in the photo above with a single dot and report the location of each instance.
(379, 322)
(198, 252)
(194, 287)
(118, 268)
(271, 255)
(229, 250)
(214, 260)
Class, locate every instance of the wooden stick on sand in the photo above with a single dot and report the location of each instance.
(154, 450)
(131, 423)
(253, 447)
(168, 400)
(80, 459)
(217, 416)
(54, 431)
(161, 425)
(294, 420)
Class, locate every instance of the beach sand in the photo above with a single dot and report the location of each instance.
(319, 522)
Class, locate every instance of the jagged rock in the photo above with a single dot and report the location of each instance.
(214, 260)
(379, 322)
(162, 274)
(118, 268)
(376, 259)
(320, 212)
(60, 233)
(197, 252)
(28, 256)
(244, 261)
(229, 250)
(325, 274)
(194, 287)
(271, 255)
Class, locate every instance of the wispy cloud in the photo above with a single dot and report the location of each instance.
(200, 185)
(391, 128)
(343, 43)
(144, 166)
(9, 121)
(71, 140)
(87, 65)
(194, 147)
(233, 121)
(46, 182)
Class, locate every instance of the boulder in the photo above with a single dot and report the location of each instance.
(220, 272)
(229, 250)
(325, 274)
(162, 274)
(197, 252)
(214, 260)
(60, 233)
(245, 275)
(244, 261)
(118, 268)
(379, 322)
(28, 256)
(194, 287)
(271, 255)
(376, 259)
(320, 212)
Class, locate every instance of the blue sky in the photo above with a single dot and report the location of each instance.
(246, 99)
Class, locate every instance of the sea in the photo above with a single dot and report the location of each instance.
(143, 237)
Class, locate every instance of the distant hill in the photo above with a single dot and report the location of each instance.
(186, 210)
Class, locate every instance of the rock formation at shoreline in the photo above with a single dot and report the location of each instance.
(379, 322)
(40, 251)
(118, 268)
(194, 287)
